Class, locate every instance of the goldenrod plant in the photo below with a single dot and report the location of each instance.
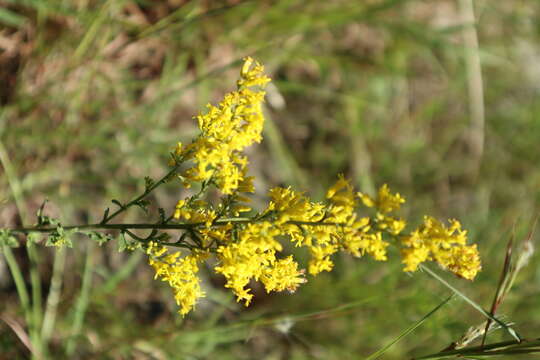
(247, 244)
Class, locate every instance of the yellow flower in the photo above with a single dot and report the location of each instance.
(393, 225)
(249, 258)
(179, 273)
(341, 184)
(385, 202)
(226, 130)
(354, 235)
(283, 275)
(251, 76)
(291, 205)
(464, 261)
(320, 258)
(445, 245)
(250, 249)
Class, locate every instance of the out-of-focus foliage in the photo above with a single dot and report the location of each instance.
(94, 93)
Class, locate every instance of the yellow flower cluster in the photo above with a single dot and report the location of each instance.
(326, 228)
(253, 256)
(179, 273)
(447, 246)
(226, 130)
(359, 236)
(385, 203)
(251, 248)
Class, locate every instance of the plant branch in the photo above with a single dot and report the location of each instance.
(158, 226)
(146, 192)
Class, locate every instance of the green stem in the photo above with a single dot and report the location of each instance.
(125, 271)
(510, 330)
(500, 348)
(142, 196)
(22, 291)
(54, 294)
(82, 302)
(36, 284)
(35, 308)
(154, 226)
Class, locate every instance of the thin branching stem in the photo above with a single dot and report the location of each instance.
(147, 192)
(153, 226)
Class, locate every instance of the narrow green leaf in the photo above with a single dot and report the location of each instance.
(409, 330)
(511, 331)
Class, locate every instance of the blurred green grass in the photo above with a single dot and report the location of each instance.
(95, 94)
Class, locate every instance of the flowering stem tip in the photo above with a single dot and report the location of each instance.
(248, 244)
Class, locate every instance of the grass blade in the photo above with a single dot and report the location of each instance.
(82, 302)
(53, 298)
(511, 331)
(407, 331)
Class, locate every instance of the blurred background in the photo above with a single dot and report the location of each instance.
(438, 99)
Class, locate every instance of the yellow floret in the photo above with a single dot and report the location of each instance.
(445, 245)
